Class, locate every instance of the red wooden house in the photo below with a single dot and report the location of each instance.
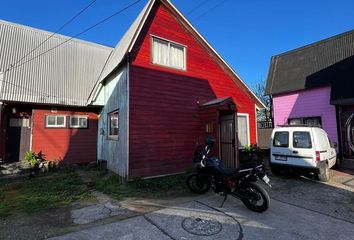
(143, 106)
(163, 89)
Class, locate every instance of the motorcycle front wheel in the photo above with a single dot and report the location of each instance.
(255, 197)
(198, 184)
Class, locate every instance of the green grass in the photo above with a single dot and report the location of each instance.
(4, 207)
(158, 187)
(41, 193)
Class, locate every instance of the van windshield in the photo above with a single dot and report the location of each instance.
(302, 140)
(281, 139)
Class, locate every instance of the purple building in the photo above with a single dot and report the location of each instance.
(314, 85)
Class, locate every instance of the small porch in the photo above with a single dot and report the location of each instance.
(219, 119)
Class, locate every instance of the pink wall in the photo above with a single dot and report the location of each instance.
(309, 103)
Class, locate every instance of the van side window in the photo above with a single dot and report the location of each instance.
(302, 140)
(281, 139)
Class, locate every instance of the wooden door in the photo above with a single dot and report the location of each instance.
(227, 140)
(18, 137)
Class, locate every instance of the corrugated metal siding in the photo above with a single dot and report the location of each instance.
(291, 71)
(116, 97)
(65, 75)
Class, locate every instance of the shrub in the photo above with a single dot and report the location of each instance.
(34, 159)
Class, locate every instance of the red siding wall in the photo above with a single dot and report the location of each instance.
(69, 145)
(164, 116)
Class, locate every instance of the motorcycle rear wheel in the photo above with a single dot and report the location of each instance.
(256, 199)
(198, 184)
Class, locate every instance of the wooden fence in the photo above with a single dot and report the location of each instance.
(264, 131)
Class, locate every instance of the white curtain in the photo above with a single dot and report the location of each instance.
(242, 128)
(160, 52)
(176, 56)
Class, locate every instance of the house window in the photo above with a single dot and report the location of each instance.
(243, 130)
(78, 121)
(168, 54)
(19, 122)
(113, 125)
(55, 121)
(311, 121)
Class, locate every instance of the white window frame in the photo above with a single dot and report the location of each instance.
(56, 125)
(112, 137)
(169, 43)
(78, 116)
(248, 128)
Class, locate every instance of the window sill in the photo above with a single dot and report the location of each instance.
(113, 138)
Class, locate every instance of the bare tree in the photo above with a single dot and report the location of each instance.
(266, 113)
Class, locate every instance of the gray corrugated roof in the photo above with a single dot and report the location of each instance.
(62, 76)
(120, 51)
(300, 68)
(122, 47)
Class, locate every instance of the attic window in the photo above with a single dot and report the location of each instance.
(169, 54)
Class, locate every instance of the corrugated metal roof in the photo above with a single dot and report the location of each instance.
(122, 47)
(64, 76)
(119, 52)
(300, 68)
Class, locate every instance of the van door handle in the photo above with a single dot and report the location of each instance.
(295, 152)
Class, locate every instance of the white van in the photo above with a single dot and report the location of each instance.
(302, 148)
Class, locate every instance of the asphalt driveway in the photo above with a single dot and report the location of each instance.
(300, 209)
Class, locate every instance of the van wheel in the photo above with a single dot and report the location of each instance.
(275, 170)
(324, 174)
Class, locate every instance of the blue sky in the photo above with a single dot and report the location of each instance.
(245, 32)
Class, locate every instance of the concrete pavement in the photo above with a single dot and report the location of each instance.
(202, 219)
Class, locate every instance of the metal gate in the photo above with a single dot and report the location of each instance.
(227, 140)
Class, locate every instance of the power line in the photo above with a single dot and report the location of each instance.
(82, 32)
(210, 9)
(75, 36)
(58, 30)
(29, 89)
(197, 7)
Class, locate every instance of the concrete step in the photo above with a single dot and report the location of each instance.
(12, 169)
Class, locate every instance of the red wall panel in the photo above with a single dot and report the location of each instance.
(69, 145)
(164, 116)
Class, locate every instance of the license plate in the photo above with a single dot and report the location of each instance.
(266, 179)
(281, 158)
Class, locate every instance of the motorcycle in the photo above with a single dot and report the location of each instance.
(240, 183)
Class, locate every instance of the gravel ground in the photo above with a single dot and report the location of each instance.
(335, 199)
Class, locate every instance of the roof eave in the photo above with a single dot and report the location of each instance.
(259, 103)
